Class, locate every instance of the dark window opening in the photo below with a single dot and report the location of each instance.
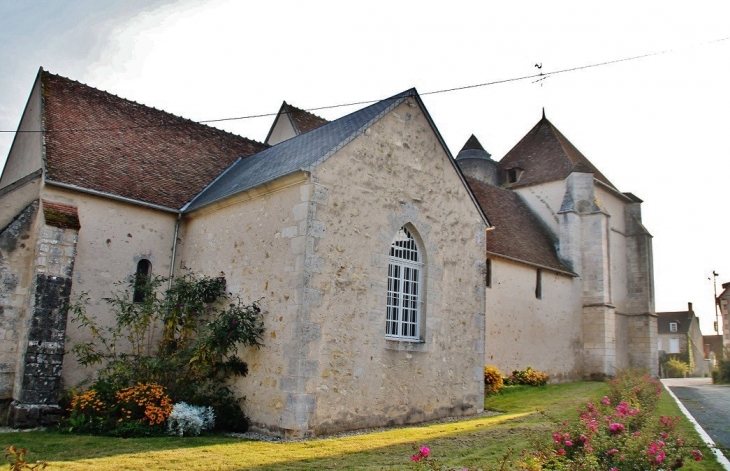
(512, 175)
(141, 277)
(538, 284)
(489, 273)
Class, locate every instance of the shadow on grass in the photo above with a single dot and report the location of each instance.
(466, 443)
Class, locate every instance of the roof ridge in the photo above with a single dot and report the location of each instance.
(302, 110)
(187, 121)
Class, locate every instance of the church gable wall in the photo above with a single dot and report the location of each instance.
(395, 173)
(545, 200)
(27, 148)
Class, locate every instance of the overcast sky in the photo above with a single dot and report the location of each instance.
(656, 126)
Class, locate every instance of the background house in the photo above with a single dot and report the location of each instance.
(570, 271)
(723, 301)
(361, 235)
(680, 337)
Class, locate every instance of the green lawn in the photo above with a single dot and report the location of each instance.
(478, 443)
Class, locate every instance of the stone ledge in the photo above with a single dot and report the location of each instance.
(22, 415)
(406, 345)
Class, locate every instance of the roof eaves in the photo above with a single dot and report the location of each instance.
(189, 208)
(111, 196)
(533, 264)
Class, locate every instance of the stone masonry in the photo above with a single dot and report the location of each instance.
(38, 375)
(16, 255)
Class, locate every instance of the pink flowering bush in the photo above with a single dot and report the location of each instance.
(616, 434)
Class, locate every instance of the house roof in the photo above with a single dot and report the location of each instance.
(518, 234)
(545, 154)
(98, 141)
(302, 152)
(682, 318)
(304, 121)
(473, 150)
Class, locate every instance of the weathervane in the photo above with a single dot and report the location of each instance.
(541, 76)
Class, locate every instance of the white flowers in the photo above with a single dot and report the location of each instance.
(189, 420)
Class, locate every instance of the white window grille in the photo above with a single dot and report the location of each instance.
(404, 288)
(672, 327)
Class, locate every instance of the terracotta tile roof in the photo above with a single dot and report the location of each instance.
(517, 233)
(131, 150)
(304, 120)
(61, 215)
(544, 155)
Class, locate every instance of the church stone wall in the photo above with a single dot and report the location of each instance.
(545, 200)
(17, 248)
(523, 330)
(113, 237)
(257, 239)
(27, 149)
(394, 174)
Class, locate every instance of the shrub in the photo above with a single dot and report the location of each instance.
(192, 358)
(493, 382)
(190, 420)
(675, 368)
(144, 403)
(722, 373)
(636, 387)
(527, 377)
(611, 435)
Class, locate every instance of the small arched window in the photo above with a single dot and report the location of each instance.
(404, 288)
(141, 277)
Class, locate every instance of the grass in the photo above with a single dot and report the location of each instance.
(476, 443)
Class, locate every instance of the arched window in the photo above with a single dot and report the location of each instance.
(141, 277)
(404, 288)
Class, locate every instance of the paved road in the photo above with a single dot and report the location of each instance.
(709, 404)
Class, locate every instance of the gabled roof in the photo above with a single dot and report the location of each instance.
(544, 155)
(300, 120)
(304, 121)
(98, 141)
(517, 234)
(682, 318)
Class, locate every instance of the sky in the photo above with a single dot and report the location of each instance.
(655, 126)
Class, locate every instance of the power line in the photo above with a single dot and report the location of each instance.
(367, 102)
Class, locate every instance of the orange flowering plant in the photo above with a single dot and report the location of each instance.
(185, 339)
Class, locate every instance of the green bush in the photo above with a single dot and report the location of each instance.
(722, 373)
(675, 368)
(493, 382)
(191, 359)
(527, 377)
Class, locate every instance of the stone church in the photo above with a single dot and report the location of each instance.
(367, 240)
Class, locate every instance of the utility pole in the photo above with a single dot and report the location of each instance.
(714, 301)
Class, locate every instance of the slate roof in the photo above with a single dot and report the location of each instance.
(682, 318)
(302, 152)
(131, 150)
(518, 234)
(473, 150)
(544, 155)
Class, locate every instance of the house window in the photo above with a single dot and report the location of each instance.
(513, 174)
(673, 346)
(538, 284)
(672, 327)
(489, 273)
(141, 277)
(404, 288)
